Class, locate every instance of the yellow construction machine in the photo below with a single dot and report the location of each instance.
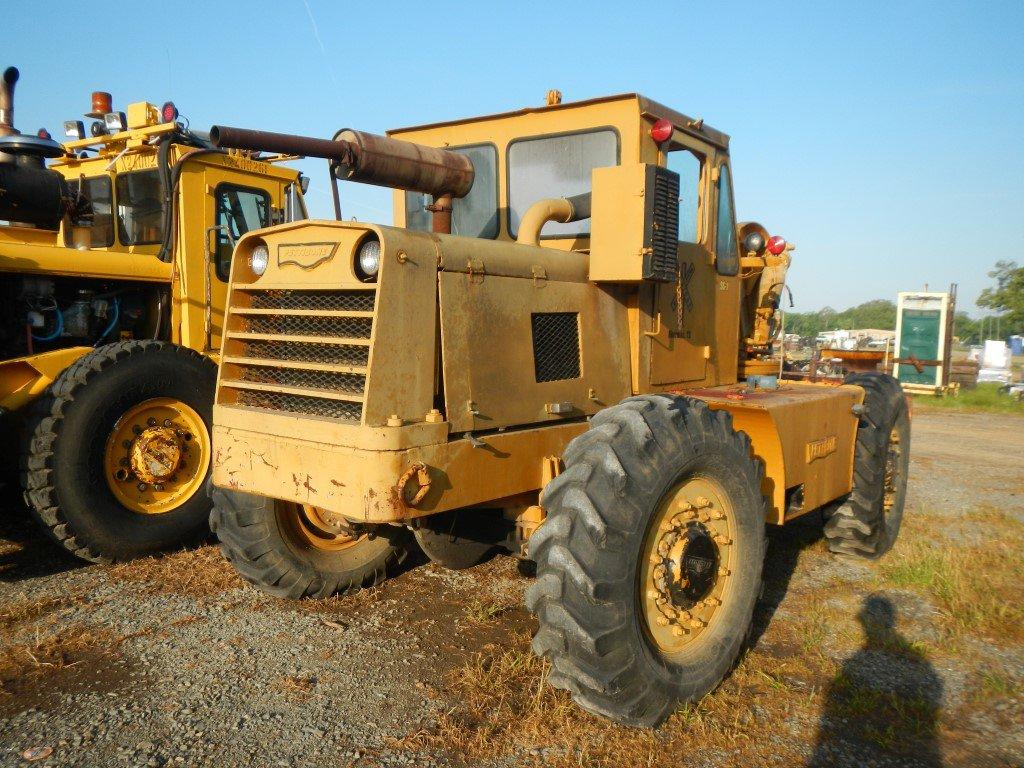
(562, 349)
(114, 263)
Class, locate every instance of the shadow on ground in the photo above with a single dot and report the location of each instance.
(25, 550)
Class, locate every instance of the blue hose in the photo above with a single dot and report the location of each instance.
(57, 331)
(111, 324)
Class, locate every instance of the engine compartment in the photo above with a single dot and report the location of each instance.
(40, 313)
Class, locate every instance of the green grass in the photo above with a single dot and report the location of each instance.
(984, 397)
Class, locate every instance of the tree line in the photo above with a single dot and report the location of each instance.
(1006, 297)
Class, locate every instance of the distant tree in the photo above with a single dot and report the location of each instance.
(1007, 297)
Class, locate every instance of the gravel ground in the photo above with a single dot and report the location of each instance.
(173, 662)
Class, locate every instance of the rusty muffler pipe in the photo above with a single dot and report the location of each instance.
(365, 157)
(10, 78)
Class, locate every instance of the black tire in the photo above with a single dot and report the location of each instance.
(63, 458)
(589, 552)
(862, 524)
(258, 541)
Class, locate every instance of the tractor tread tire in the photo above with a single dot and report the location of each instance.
(586, 550)
(245, 526)
(858, 525)
(45, 423)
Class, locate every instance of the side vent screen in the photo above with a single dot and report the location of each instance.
(661, 225)
(556, 345)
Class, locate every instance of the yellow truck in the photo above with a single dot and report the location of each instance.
(564, 349)
(114, 263)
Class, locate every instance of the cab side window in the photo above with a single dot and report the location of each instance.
(727, 257)
(238, 210)
(98, 192)
(140, 208)
(688, 165)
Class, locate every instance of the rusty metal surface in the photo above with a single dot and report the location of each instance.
(7, 83)
(364, 157)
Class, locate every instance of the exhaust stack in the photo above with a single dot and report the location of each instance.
(10, 79)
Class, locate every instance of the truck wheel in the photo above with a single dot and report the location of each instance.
(649, 562)
(290, 550)
(119, 450)
(867, 522)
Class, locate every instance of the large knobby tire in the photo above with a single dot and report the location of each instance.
(623, 481)
(68, 483)
(276, 546)
(867, 522)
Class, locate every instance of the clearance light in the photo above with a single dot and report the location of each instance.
(74, 129)
(42, 133)
(661, 131)
(169, 112)
(115, 122)
(776, 244)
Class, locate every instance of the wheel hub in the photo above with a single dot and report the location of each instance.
(688, 551)
(155, 454)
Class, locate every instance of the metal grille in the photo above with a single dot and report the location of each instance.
(556, 345)
(663, 227)
(349, 383)
(312, 406)
(347, 327)
(347, 301)
(299, 352)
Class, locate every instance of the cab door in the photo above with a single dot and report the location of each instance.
(683, 328)
(219, 203)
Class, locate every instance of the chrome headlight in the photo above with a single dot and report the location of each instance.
(368, 260)
(259, 257)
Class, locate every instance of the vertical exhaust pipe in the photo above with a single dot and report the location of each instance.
(10, 78)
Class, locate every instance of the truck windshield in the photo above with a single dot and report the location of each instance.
(140, 211)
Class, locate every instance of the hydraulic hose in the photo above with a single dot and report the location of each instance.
(57, 330)
(113, 322)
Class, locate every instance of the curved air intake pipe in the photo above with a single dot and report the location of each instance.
(7, 84)
(559, 209)
(365, 157)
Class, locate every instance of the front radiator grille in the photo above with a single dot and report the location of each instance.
(318, 372)
(294, 351)
(556, 345)
(310, 406)
(310, 325)
(347, 301)
(329, 381)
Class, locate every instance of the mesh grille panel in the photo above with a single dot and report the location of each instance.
(333, 354)
(664, 227)
(349, 383)
(556, 345)
(348, 327)
(347, 301)
(313, 406)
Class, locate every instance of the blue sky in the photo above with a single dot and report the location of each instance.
(884, 139)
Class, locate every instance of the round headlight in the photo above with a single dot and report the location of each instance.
(368, 260)
(258, 259)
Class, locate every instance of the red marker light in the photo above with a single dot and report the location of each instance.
(42, 133)
(169, 112)
(661, 131)
(776, 244)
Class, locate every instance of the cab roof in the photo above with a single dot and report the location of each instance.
(647, 107)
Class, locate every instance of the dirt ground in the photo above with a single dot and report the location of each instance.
(916, 660)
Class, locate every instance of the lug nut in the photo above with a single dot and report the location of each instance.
(158, 487)
(167, 422)
(723, 571)
(123, 462)
(142, 486)
(121, 474)
(652, 594)
(677, 631)
(661, 621)
(137, 429)
(150, 422)
(126, 444)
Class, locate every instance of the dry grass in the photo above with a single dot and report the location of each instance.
(480, 611)
(194, 572)
(51, 649)
(298, 688)
(22, 609)
(975, 582)
(504, 707)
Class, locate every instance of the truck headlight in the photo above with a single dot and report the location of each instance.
(368, 260)
(259, 257)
